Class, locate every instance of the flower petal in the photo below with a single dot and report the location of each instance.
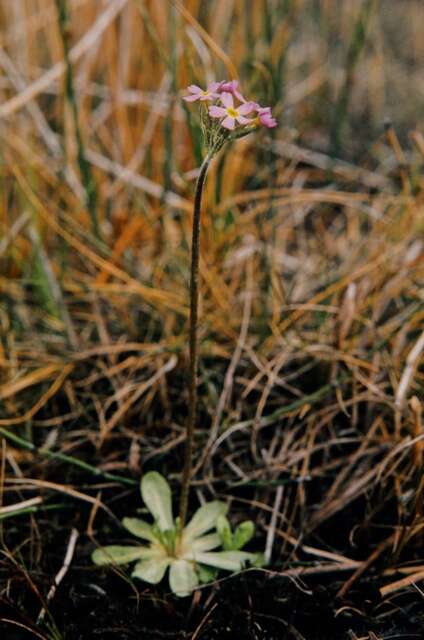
(246, 108)
(267, 121)
(139, 528)
(115, 554)
(182, 578)
(217, 112)
(231, 87)
(204, 519)
(151, 571)
(227, 99)
(191, 98)
(214, 86)
(229, 123)
(157, 497)
(193, 88)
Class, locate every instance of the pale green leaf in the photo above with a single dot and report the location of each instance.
(151, 571)
(228, 560)
(115, 554)
(169, 539)
(225, 534)
(206, 574)
(183, 579)
(204, 519)
(157, 497)
(139, 528)
(205, 543)
(243, 533)
(258, 560)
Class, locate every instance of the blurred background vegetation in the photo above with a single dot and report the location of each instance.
(312, 298)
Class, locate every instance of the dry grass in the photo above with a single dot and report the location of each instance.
(312, 265)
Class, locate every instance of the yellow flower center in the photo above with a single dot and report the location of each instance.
(233, 113)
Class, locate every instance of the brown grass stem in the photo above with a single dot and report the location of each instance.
(193, 339)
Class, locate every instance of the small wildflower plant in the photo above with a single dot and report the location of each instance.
(189, 554)
(193, 553)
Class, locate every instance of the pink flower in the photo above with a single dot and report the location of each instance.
(199, 94)
(264, 116)
(231, 87)
(231, 114)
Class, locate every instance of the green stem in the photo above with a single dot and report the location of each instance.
(193, 340)
(353, 55)
(55, 455)
(84, 165)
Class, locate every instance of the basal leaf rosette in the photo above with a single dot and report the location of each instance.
(190, 555)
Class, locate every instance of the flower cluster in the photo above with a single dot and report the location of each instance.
(228, 113)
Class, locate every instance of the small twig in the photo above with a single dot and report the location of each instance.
(416, 408)
(401, 584)
(14, 231)
(11, 508)
(299, 572)
(271, 530)
(203, 621)
(62, 573)
(406, 379)
(364, 566)
(23, 626)
(408, 372)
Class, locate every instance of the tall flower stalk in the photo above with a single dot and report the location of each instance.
(193, 337)
(221, 121)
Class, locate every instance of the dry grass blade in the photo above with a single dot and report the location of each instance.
(32, 379)
(55, 486)
(70, 549)
(401, 584)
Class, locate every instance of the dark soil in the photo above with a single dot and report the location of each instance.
(103, 603)
(249, 606)
(253, 605)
